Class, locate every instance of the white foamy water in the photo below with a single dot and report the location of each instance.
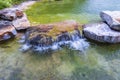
(25, 47)
(79, 45)
(72, 41)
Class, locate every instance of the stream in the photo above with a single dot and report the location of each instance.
(98, 62)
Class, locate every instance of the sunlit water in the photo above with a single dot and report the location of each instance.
(98, 62)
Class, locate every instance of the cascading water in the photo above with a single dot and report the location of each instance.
(71, 40)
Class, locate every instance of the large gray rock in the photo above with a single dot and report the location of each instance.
(101, 32)
(112, 18)
(7, 31)
(21, 23)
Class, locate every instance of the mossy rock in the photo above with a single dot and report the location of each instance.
(46, 35)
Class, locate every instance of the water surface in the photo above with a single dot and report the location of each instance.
(98, 62)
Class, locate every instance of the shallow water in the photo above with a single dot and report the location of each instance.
(98, 62)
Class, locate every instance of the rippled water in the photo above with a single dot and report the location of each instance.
(98, 62)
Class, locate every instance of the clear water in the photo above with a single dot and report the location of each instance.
(98, 62)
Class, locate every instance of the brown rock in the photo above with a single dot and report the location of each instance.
(55, 28)
(45, 35)
(7, 31)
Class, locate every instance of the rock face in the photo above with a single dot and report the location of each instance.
(7, 31)
(112, 18)
(53, 36)
(101, 32)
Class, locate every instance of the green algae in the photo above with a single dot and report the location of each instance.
(48, 12)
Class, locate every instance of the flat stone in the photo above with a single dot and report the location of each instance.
(112, 18)
(7, 31)
(101, 32)
(10, 13)
(21, 23)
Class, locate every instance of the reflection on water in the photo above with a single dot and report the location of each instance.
(99, 62)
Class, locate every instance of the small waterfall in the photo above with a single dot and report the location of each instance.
(71, 40)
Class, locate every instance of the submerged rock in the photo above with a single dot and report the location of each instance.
(52, 36)
(101, 32)
(10, 13)
(7, 31)
(112, 18)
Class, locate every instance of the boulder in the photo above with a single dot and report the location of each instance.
(101, 32)
(21, 22)
(112, 18)
(52, 36)
(10, 13)
(46, 33)
(7, 31)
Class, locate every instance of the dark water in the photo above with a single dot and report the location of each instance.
(98, 62)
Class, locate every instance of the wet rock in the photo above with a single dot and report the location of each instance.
(47, 33)
(10, 14)
(52, 36)
(7, 31)
(101, 32)
(112, 18)
(21, 22)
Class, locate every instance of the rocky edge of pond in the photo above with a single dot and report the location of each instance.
(107, 31)
(45, 37)
(13, 19)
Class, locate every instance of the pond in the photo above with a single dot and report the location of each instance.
(98, 62)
